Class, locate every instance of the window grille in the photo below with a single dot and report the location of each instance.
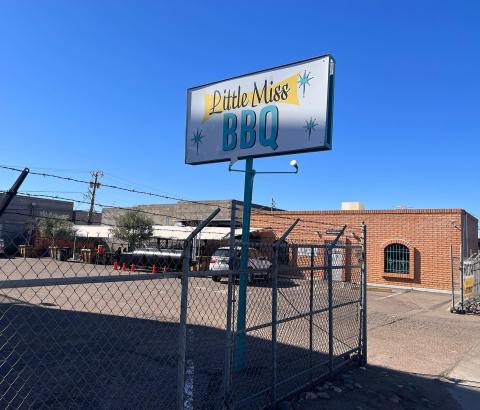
(397, 258)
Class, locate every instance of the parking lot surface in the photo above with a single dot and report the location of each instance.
(420, 356)
(127, 330)
(114, 342)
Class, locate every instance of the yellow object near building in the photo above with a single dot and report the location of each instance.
(468, 283)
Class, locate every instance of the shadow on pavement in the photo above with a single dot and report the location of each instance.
(376, 387)
(54, 358)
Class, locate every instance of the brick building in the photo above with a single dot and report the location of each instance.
(405, 247)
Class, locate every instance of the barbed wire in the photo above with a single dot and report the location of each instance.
(60, 218)
(111, 234)
(14, 211)
(263, 212)
(164, 228)
(127, 209)
(131, 190)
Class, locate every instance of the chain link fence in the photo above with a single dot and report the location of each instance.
(303, 325)
(466, 284)
(92, 321)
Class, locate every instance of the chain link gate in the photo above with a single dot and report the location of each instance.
(158, 334)
(465, 284)
(303, 325)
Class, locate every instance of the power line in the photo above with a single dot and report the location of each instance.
(169, 197)
(297, 230)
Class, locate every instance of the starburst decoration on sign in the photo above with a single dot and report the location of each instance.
(304, 80)
(197, 138)
(310, 126)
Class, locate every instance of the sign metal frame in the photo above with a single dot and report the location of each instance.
(329, 115)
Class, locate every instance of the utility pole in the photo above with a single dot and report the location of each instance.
(273, 205)
(92, 191)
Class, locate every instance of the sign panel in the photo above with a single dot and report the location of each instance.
(468, 283)
(273, 112)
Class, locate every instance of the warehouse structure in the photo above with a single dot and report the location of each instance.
(187, 213)
(19, 221)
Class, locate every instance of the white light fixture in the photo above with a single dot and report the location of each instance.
(294, 164)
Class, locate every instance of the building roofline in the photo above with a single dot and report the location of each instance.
(375, 211)
(41, 198)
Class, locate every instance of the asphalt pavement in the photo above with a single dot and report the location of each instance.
(113, 343)
(420, 356)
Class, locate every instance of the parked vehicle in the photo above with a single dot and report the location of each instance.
(259, 267)
(2, 247)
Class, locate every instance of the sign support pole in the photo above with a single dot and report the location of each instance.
(242, 291)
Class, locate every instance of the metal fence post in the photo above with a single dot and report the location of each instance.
(182, 334)
(274, 323)
(276, 247)
(462, 290)
(10, 194)
(227, 394)
(330, 309)
(364, 295)
(312, 261)
(329, 249)
(452, 274)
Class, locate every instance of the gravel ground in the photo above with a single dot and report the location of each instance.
(375, 387)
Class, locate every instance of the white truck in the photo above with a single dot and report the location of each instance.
(259, 267)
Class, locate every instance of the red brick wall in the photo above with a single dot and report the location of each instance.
(428, 234)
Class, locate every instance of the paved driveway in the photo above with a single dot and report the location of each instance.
(420, 356)
(415, 332)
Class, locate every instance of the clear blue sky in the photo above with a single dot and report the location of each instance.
(102, 85)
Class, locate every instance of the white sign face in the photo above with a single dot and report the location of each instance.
(272, 112)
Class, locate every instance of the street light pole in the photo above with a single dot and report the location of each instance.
(242, 290)
(244, 256)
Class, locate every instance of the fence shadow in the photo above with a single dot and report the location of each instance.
(54, 358)
(379, 388)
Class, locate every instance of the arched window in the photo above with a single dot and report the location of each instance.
(397, 258)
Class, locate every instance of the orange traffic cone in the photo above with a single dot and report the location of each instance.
(165, 268)
(115, 265)
(124, 266)
(154, 269)
(132, 267)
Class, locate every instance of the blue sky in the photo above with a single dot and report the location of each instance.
(102, 85)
